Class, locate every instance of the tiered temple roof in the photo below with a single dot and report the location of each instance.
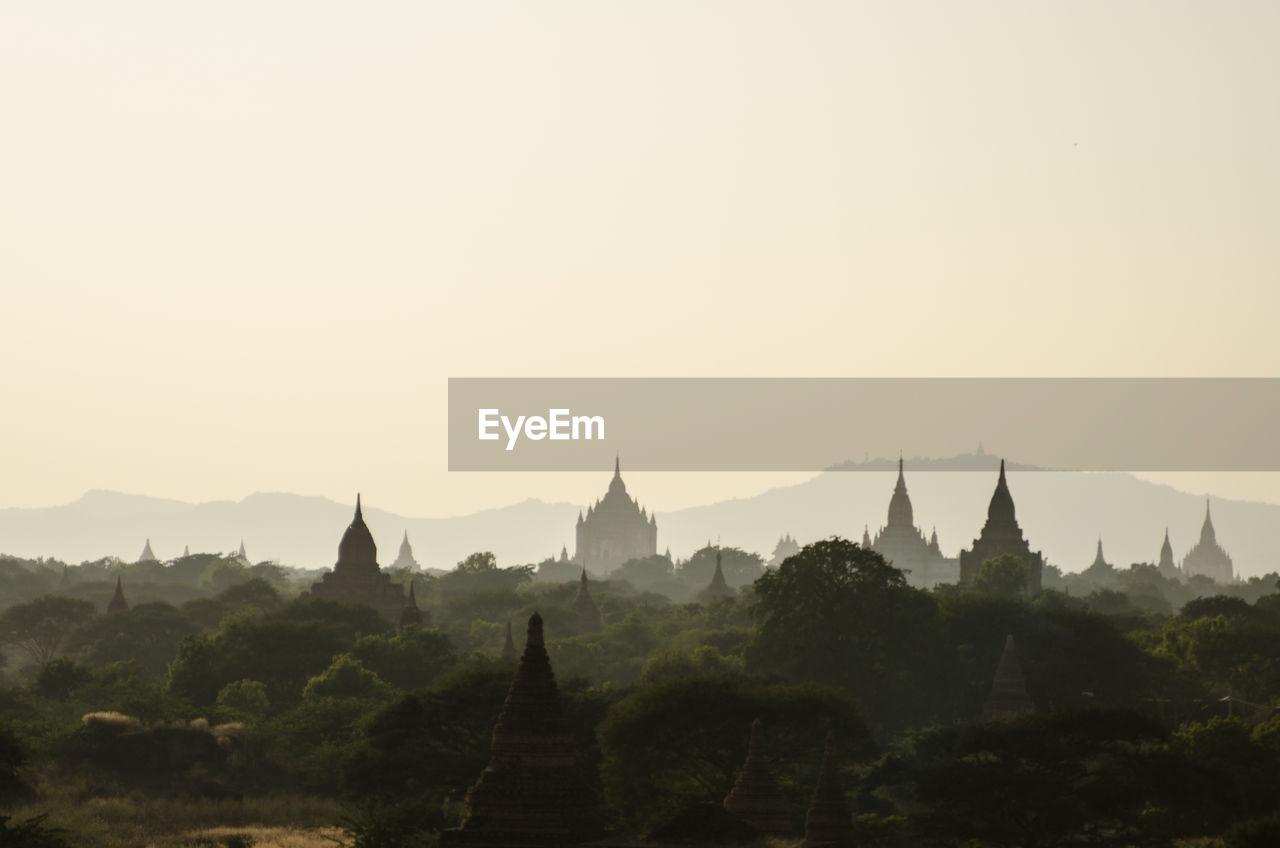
(411, 615)
(828, 820)
(1166, 564)
(1008, 698)
(531, 793)
(786, 547)
(615, 529)
(1207, 557)
(903, 544)
(146, 555)
(404, 559)
(755, 797)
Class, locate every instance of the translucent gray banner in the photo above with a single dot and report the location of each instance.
(1165, 424)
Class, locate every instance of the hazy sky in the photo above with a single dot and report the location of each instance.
(245, 244)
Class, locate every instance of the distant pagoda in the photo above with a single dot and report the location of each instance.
(786, 547)
(615, 529)
(903, 545)
(1001, 535)
(718, 589)
(509, 653)
(585, 609)
(411, 615)
(1099, 566)
(1207, 557)
(755, 797)
(147, 555)
(532, 792)
(1166, 565)
(242, 557)
(828, 821)
(356, 577)
(1008, 698)
(405, 559)
(117, 602)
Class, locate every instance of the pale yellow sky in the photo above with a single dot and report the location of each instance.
(245, 244)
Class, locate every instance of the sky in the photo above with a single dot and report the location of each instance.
(245, 245)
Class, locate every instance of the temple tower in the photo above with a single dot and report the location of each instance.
(356, 577)
(509, 647)
(585, 609)
(1008, 698)
(1166, 564)
(404, 559)
(786, 547)
(903, 545)
(147, 555)
(1207, 557)
(241, 556)
(117, 602)
(531, 793)
(828, 820)
(411, 616)
(755, 797)
(1001, 535)
(718, 589)
(615, 529)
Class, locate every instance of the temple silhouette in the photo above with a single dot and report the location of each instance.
(903, 545)
(1207, 557)
(615, 529)
(356, 577)
(1001, 535)
(405, 559)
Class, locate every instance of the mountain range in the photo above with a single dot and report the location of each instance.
(1062, 513)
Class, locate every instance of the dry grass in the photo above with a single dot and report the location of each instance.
(260, 837)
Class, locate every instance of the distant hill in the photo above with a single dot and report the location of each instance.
(1061, 513)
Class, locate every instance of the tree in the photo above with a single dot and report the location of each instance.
(409, 660)
(1004, 576)
(838, 614)
(245, 697)
(148, 634)
(740, 567)
(40, 628)
(683, 741)
(346, 678)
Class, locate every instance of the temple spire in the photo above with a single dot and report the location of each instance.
(585, 609)
(755, 797)
(411, 616)
(1207, 533)
(828, 820)
(1008, 698)
(718, 589)
(118, 603)
(509, 647)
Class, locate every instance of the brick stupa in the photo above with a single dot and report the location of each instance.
(828, 821)
(1008, 698)
(531, 793)
(117, 602)
(756, 798)
(356, 577)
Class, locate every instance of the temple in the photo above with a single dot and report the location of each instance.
(146, 555)
(1008, 698)
(615, 529)
(1099, 566)
(509, 646)
(718, 589)
(786, 547)
(1166, 564)
(755, 797)
(356, 577)
(1207, 557)
(117, 602)
(405, 559)
(411, 615)
(585, 609)
(1001, 535)
(242, 557)
(903, 545)
(828, 821)
(532, 792)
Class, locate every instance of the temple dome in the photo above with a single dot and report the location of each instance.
(357, 546)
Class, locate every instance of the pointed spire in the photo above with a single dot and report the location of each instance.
(241, 554)
(532, 792)
(617, 465)
(118, 603)
(186, 551)
(828, 820)
(718, 589)
(1008, 698)
(359, 514)
(866, 538)
(146, 555)
(1207, 534)
(585, 609)
(411, 615)
(1001, 512)
(755, 797)
(1166, 554)
(1099, 561)
(509, 647)
(900, 512)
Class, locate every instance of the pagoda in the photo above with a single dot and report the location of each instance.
(404, 559)
(1001, 535)
(1166, 564)
(1008, 698)
(1207, 557)
(585, 609)
(718, 589)
(532, 792)
(755, 797)
(903, 545)
(787, 546)
(147, 555)
(615, 529)
(828, 821)
(117, 602)
(356, 577)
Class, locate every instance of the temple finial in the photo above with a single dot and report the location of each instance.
(617, 465)
(359, 514)
(535, 630)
